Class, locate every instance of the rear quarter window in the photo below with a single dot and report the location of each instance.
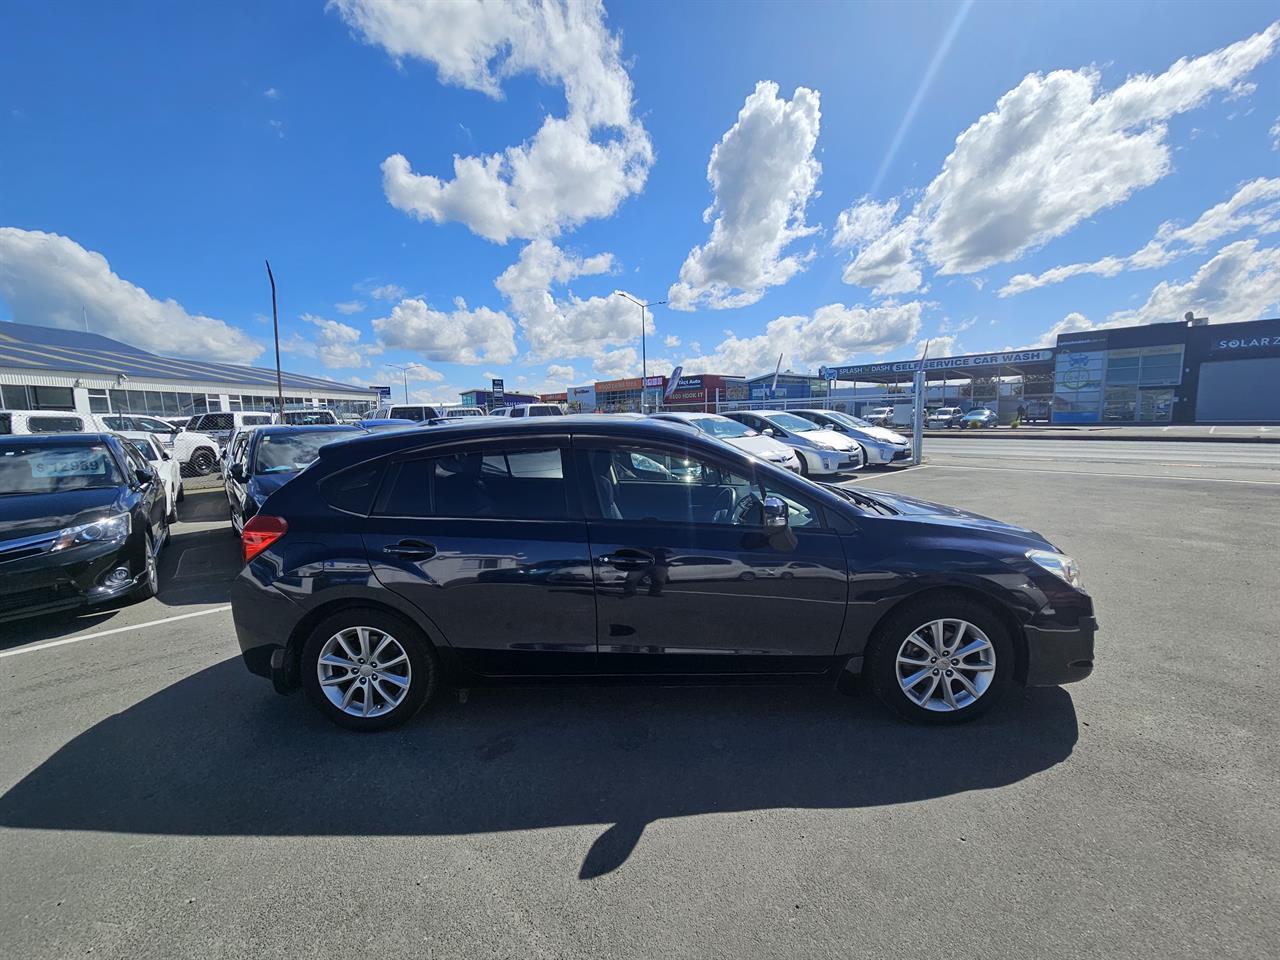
(214, 421)
(352, 490)
(55, 424)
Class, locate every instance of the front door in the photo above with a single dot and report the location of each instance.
(687, 581)
(488, 542)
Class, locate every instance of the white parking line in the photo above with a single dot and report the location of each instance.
(106, 633)
(1118, 476)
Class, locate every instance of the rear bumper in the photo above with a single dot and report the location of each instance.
(264, 620)
(1057, 655)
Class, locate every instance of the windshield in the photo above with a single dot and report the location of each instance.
(45, 468)
(848, 419)
(291, 452)
(143, 447)
(723, 427)
(789, 421)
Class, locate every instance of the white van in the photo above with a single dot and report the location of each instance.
(403, 411)
(530, 410)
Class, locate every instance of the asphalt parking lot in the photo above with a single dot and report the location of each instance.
(158, 801)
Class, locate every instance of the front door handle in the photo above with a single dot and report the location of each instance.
(628, 559)
(411, 549)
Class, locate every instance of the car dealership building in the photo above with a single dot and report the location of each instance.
(1160, 373)
(48, 368)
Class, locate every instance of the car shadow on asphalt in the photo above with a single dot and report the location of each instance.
(218, 754)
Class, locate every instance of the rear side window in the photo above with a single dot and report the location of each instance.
(353, 489)
(525, 484)
(55, 424)
(214, 421)
(6, 424)
(252, 420)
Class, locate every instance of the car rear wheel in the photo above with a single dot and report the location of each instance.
(204, 462)
(368, 670)
(946, 659)
(804, 464)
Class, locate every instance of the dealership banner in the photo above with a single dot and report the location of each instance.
(971, 362)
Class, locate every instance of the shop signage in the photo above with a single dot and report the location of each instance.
(974, 361)
(497, 395)
(1247, 343)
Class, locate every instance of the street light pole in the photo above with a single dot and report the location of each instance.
(405, 372)
(644, 360)
(275, 325)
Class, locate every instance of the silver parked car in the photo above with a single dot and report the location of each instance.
(880, 445)
(821, 451)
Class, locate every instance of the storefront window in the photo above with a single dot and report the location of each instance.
(53, 398)
(98, 402)
(15, 397)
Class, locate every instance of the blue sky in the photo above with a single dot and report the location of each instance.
(154, 155)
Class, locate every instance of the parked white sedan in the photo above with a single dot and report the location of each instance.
(879, 444)
(165, 466)
(738, 435)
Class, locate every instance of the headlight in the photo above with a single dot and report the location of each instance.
(99, 531)
(1059, 564)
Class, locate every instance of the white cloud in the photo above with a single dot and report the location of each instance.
(461, 336)
(1055, 150)
(763, 173)
(887, 264)
(671, 340)
(1241, 282)
(420, 373)
(616, 364)
(348, 307)
(575, 168)
(564, 327)
(271, 93)
(1274, 133)
(46, 279)
(560, 372)
(337, 344)
(388, 291)
(833, 334)
(1255, 206)
(944, 346)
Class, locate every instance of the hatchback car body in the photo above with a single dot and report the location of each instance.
(82, 521)
(821, 451)
(613, 548)
(738, 435)
(263, 459)
(880, 445)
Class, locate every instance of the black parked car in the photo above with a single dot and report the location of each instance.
(612, 547)
(261, 459)
(82, 520)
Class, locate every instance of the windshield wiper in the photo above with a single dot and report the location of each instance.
(862, 500)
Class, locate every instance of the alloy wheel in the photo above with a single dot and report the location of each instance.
(945, 665)
(364, 671)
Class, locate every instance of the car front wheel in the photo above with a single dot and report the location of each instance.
(946, 659)
(204, 462)
(368, 670)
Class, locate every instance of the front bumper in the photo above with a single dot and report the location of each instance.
(1057, 655)
(49, 583)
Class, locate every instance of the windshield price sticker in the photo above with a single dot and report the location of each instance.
(68, 465)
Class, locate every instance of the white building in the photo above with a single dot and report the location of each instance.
(48, 368)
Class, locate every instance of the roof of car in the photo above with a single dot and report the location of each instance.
(273, 429)
(54, 439)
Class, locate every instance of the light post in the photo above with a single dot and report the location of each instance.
(644, 360)
(405, 372)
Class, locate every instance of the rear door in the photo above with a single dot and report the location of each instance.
(487, 540)
(686, 580)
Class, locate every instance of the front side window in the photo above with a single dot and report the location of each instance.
(667, 486)
(152, 424)
(513, 484)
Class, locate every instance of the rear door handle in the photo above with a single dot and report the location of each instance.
(411, 549)
(628, 559)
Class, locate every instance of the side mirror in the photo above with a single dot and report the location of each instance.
(144, 475)
(164, 455)
(767, 431)
(776, 514)
(237, 472)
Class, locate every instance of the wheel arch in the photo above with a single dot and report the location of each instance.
(316, 615)
(1008, 618)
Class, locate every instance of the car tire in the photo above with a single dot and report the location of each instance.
(866, 458)
(990, 668)
(150, 585)
(182, 493)
(804, 464)
(340, 630)
(203, 462)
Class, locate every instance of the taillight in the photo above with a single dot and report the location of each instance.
(259, 533)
